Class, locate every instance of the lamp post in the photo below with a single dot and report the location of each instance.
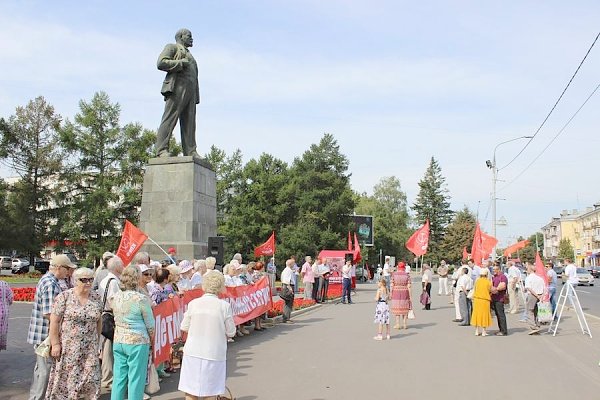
(494, 167)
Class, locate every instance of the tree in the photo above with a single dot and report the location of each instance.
(6, 237)
(320, 200)
(433, 204)
(259, 208)
(30, 145)
(102, 182)
(565, 249)
(459, 234)
(390, 212)
(228, 170)
(527, 254)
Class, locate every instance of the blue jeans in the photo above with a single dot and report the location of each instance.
(346, 285)
(129, 370)
(552, 293)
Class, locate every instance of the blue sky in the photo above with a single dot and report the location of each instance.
(395, 83)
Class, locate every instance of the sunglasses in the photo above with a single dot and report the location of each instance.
(147, 273)
(86, 280)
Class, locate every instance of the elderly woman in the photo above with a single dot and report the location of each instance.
(134, 331)
(481, 317)
(75, 327)
(186, 269)
(426, 280)
(199, 271)
(172, 283)
(208, 322)
(210, 263)
(256, 275)
(401, 303)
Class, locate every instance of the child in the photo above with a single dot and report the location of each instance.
(382, 311)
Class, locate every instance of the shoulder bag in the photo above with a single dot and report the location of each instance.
(108, 319)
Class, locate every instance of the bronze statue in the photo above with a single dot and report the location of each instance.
(181, 93)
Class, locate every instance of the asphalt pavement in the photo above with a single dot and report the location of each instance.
(330, 354)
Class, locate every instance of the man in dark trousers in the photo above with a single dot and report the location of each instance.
(499, 285)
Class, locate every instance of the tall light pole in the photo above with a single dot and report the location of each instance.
(494, 167)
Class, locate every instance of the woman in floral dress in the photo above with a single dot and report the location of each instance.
(401, 303)
(75, 327)
(6, 299)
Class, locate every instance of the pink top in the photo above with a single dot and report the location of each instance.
(309, 276)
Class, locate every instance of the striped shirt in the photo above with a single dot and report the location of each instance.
(47, 289)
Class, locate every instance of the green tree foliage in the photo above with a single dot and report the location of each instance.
(459, 234)
(103, 176)
(29, 144)
(320, 200)
(6, 236)
(259, 208)
(228, 171)
(565, 249)
(390, 212)
(433, 203)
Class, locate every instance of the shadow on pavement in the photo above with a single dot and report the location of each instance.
(421, 326)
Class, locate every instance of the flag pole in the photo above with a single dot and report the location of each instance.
(158, 245)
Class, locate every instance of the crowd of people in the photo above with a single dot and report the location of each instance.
(95, 329)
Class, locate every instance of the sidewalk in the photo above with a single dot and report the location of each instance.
(330, 354)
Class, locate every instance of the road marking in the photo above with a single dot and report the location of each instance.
(583, 291)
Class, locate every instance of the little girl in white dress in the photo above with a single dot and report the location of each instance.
(382, 311)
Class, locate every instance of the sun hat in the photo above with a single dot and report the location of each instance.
(185, 266)
(107, 254)
(61, 260)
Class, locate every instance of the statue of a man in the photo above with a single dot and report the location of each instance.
(181, 93)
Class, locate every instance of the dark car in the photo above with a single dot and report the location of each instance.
(595, 271)
(41, 266)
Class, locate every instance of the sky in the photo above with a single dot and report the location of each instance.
(395, 82)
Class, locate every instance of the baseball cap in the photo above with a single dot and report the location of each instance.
(143, 268)
(107, 254)
(172, 250)
(61, 260)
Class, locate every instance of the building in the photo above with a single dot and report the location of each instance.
(567, 226)
(590, 235)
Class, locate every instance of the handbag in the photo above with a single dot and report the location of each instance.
(286, 293)
(108, 319)
(470, 294)
(425, 298)
(43, 349)
(227, 395)
(411, 314)
(153, 386)
(544, 313)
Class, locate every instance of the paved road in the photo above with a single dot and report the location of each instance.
(329, 354)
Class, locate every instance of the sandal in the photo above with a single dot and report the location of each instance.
(378, 337)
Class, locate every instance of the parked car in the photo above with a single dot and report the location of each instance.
(362, 274)
(20, 265)
(41, 265)
(595, 271)
(5, 265)
(583, 277)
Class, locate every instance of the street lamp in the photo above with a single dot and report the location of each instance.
(494, 167)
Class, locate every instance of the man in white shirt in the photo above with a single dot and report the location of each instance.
(442, 272)
(463, 286)
(287, 291)
(571, 272)
(514, 276)
(534, 287)
(110, 286)
(346, 282)
(386, 273)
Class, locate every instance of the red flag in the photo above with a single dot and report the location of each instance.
(357, 256)
(488, 243)
(539, 268)
(476, 249)
(131, 241)
(465, 254)
(267, 248)
(349, 242)
(514, 247)
(419, 240)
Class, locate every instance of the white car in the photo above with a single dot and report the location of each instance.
(583, 276)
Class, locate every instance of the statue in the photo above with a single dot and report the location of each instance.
(181, 94)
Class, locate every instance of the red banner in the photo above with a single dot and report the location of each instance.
(131, 241)
(419, 240)
(267, 248)
(247, 302)
(357, 255)
(515, 247)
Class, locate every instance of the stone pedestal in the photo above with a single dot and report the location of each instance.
(179, 207)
